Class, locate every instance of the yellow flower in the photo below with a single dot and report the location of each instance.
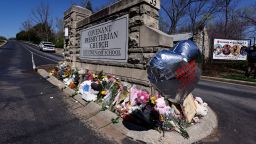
(103, 92)
(95, 76)
(153, 99)
(161, 117)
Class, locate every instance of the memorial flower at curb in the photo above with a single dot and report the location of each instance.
(153, 100)
(129, 101)
(161, 106)
(142, 97)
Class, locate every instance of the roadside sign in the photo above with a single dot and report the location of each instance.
(227, 49)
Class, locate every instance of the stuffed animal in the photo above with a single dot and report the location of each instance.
(201, 107)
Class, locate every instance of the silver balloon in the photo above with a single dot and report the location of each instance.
(175, 73)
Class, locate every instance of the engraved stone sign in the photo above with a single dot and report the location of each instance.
(106, 41)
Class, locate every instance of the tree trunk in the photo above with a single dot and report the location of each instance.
(172, 29)
(226, 16)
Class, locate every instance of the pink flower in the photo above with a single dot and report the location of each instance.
(133, 95)
(142, 97)
(161, 106)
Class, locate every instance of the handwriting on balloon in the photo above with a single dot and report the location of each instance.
(186, 74)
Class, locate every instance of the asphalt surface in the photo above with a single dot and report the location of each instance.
(235, 106)
(31, 109)
(29, 115)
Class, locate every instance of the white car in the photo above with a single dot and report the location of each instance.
(47, 46)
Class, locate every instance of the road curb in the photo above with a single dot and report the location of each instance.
(228, 80)
(5, 42)
(78, 98)
(69, 92)
(91, 114)
(58, 83)
(43, 73)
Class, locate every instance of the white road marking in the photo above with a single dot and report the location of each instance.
(46, 58)
(32, 58)
(33, 61)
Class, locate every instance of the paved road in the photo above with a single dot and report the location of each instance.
(27, 113)
(235, 106)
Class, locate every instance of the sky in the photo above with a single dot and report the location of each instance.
(14, 12)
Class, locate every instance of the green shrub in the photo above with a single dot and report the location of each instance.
(2, 38)
(59, 42)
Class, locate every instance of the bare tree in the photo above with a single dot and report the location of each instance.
(227, 9)
(27, 25)
(84, 3)
(87, 4)
(163, 24)
(59, 24)
(202, 11)
(248, 14)
(234, 30)
(41, 15)
(175, 10)
(108, 3)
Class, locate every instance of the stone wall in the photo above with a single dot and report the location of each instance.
(201, 38)
(71, 17)
(144, 38)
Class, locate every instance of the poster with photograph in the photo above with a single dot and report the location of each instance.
(225, 49)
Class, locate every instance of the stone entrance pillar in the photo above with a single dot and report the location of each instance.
(71, 17)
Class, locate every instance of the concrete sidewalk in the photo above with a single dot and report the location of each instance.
(101, 121)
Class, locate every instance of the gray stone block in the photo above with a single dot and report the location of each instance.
(149, 10)
(134, 29)
(53, 80)
(82, 113)
(69, 92)
(135, 50)
(102, 119)
(72, 104)
(135, 58)
(134, 11)
(78, 98)
(134, 39)
(43, 73)
(135, 21)
(152, 37)
(147, 57)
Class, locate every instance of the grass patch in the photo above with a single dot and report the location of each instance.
(240, 77)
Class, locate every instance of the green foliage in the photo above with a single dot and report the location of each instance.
(239, 77)
(59, 42)
(39, 32)
(240, 65)
(2, 38)
(115, 120)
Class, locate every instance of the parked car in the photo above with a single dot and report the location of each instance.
(47, 46)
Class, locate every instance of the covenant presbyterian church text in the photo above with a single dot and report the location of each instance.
(98, 38)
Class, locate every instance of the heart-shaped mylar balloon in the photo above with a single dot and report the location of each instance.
(175, 73)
